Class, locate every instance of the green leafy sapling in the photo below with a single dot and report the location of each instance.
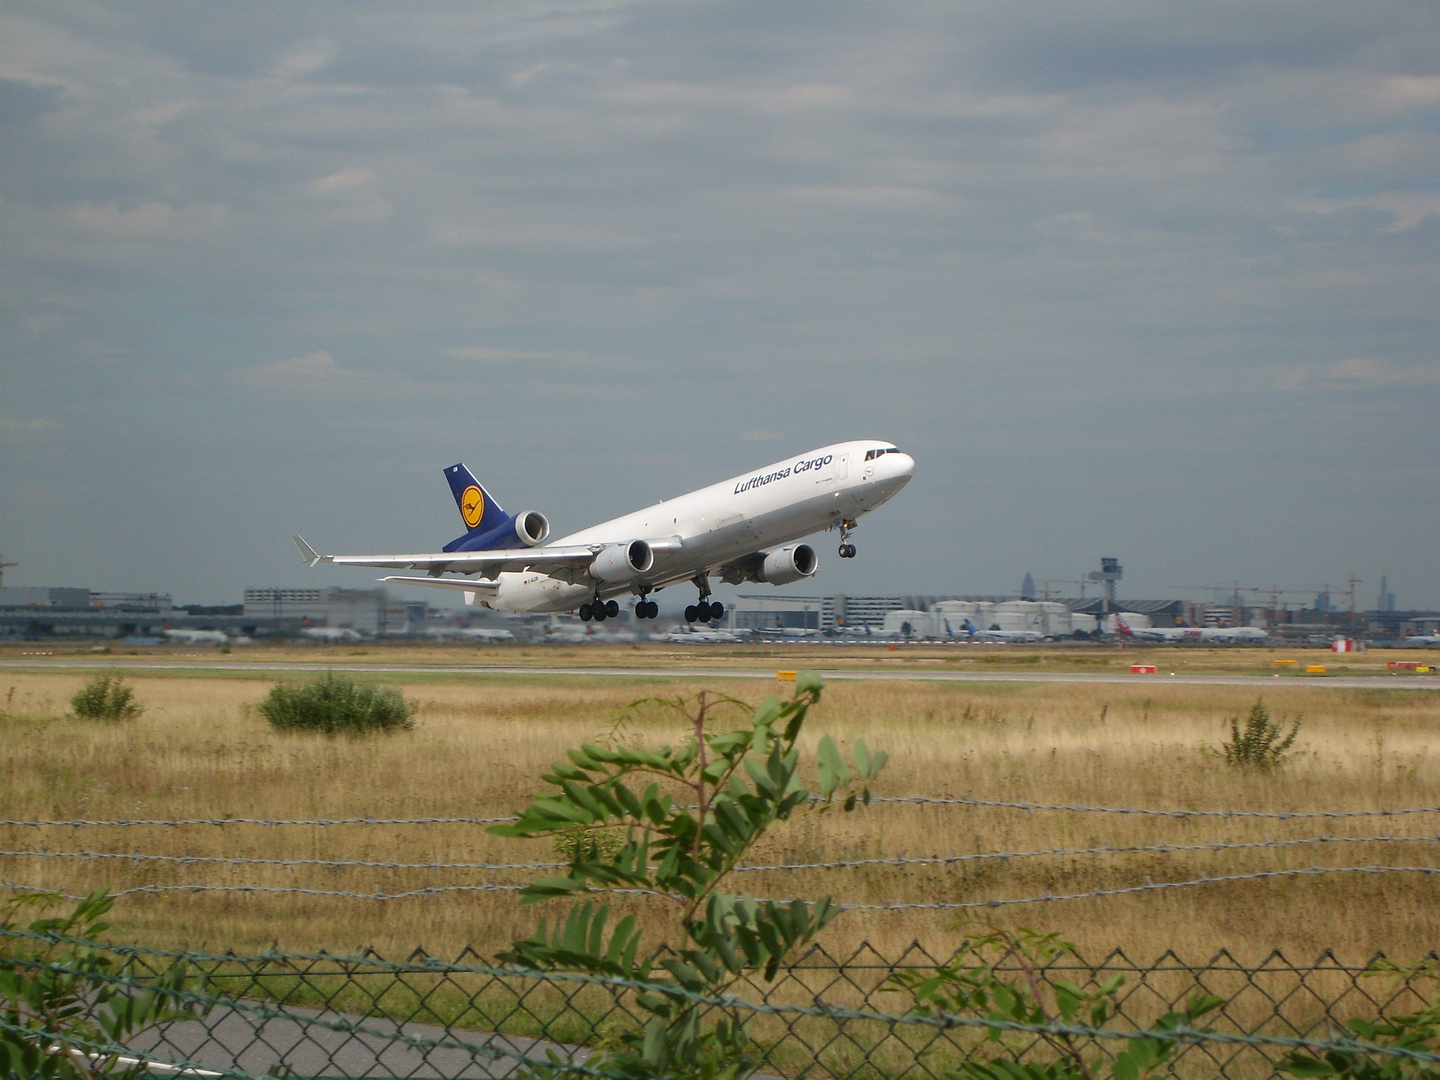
(996, 977)
(68, 1007)
(690, 814)
(1262, 744)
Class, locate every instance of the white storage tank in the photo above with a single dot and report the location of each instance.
(1019, 615)
(921, 623)
(1056, 619)
(1080, 621)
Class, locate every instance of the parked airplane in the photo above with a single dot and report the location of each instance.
(970, 630)
(1419, 641)
(331, 633)
(1223, 634)
(469, 633)
(781, 633)
(691, 636)
(742, 529)
(198, 637)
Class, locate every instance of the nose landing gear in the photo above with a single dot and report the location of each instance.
(847, 549)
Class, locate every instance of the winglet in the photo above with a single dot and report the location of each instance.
(309, 554)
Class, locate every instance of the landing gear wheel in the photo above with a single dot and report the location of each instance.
(692, 613)
(597, 611)
(612, 609)
(847, 551)
(717, 611)
(584, 612)
(648, 609)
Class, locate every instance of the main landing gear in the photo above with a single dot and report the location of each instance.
(647, 608)
(704, 611)
(847, 549)
(599, 610)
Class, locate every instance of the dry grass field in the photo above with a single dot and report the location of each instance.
(201, 751)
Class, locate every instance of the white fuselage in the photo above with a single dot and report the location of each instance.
(755, 511)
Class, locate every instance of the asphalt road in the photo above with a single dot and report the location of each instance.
(236, 1040)
(1347, 682)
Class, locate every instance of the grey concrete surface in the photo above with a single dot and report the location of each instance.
(1351, 682)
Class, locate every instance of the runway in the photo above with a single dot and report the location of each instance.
(1351, 682)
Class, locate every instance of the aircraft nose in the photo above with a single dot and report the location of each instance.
(903, 464)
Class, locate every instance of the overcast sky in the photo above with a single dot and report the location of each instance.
(1156, 281)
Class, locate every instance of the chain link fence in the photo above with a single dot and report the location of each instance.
(822, 1016)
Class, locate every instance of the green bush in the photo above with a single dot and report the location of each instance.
(1260, 745)
(337, 706)
(105, 697)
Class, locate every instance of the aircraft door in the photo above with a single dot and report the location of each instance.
(842, 466)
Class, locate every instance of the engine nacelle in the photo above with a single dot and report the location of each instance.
(532, 527)
(788, 564)
(623, 562)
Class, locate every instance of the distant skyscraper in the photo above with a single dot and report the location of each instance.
(1027, 587)
(1387, 598)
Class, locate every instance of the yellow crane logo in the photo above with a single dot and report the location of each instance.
(472, 506)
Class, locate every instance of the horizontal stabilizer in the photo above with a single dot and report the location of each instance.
(309, 554)
(471, 561)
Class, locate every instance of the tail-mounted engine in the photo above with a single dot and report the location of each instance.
(532, 527)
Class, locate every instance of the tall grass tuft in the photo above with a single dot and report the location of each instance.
(105, 697)
(337, 706)
(1260, 745)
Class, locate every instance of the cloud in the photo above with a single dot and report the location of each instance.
(491, 355)
(314, 371)
(34, 424)
(1407, 210)
(1359, 373)
(147, 221)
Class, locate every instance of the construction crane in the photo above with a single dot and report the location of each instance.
(1233, 593)
(1046, 592)
(3, 565)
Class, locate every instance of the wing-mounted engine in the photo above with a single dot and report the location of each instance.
(620, 563)
(532, 527)
(779, 567)
(788, 564)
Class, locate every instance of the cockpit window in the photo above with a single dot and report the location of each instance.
(871, 455)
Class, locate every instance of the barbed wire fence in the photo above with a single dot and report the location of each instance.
(132, 859)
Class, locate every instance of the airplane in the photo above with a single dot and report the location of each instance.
(331, 633)
(1223, 634)
(976, 634)
(741, 529)
(781, 633)
(198, 637)
(1421, 640)
(470, 633)
(691, 636)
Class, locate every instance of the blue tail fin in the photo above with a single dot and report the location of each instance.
(481, 513)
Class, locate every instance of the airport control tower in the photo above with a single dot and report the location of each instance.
(1110, 572)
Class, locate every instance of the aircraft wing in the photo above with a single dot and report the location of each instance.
(489, 563)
